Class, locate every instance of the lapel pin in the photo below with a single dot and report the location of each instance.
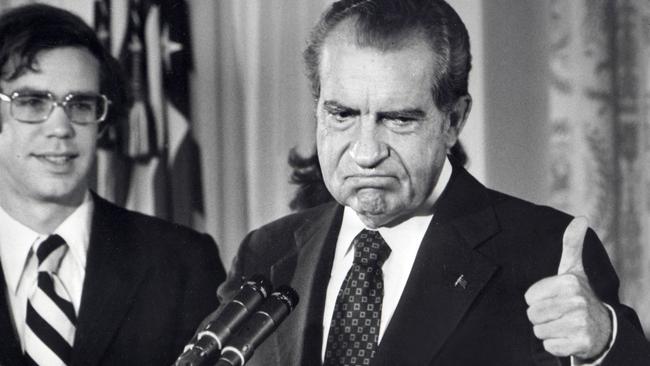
(461, 281)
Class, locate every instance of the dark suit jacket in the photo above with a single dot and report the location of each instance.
(148, 285)
(501, 245)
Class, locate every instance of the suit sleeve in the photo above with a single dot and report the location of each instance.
(228, 288)
(204, 274)
(630, 347)
(237, 271)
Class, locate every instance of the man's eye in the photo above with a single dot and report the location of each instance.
(81, 106)
(31, 102)
(399, 121)
(341, 116)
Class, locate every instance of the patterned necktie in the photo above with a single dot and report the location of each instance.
(354, 332)
(50, 316)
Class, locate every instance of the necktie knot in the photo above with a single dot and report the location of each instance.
(50, 252)
(370, 249)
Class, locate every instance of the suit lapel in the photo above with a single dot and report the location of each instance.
(447, 275)
(307, 270)
(435, 297)
(10, 351)
(114, 269)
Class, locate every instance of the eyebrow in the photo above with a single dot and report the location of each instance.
(414, 113)
(28, 89)
(408, 113)
(332, 105)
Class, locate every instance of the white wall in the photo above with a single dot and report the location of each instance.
(507, 130)
(473, 136)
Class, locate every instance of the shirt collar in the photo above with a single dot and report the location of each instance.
(75, 230)
(16, 240)
(441, 184)
(415, 226)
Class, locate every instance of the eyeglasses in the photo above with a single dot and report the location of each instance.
(36, 107)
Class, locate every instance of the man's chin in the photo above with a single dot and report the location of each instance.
(370, 202)
(374, 214)
(62, 195)
(378, 213)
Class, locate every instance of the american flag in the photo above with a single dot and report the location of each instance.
(149, 161)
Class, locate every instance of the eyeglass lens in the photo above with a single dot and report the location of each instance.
(78, 107)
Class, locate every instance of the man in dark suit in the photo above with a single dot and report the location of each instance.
(83, 282)
(417, 263)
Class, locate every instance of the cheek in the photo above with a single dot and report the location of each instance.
(328, 146)
(86, 138)
(421, 160)
(13, 143)
(324, 154)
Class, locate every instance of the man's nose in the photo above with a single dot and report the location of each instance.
(368, 150)
(59, 124)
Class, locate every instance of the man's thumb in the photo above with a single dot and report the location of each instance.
(572, 242)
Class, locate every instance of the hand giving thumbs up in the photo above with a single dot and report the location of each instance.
(565, 313)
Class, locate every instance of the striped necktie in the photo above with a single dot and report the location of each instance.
(353, 338)
(50, 316)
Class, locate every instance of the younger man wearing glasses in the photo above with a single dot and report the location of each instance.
(82, 281)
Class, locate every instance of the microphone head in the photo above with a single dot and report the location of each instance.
(287, 295)
(259, 283)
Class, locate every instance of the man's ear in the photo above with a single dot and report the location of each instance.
(457, 118)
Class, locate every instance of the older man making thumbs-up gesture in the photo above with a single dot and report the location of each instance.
(417, 263)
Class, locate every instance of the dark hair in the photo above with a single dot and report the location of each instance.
(387, 24)
(306, 174)
(25, 31)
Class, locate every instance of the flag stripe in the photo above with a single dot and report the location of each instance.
(160, 171)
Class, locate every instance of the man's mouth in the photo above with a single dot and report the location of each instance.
(56, 159)
(370, 181)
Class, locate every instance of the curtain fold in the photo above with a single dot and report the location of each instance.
(253, 104)
(600, 122)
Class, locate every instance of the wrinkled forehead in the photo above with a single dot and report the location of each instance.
(367, 79)
(348, 35)
(411, 54)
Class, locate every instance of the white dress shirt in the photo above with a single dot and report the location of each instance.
(403, 239)
(20, 265)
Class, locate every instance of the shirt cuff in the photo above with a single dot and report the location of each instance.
(599, 360)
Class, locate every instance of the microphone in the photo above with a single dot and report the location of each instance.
(216, 332)
(258, 327)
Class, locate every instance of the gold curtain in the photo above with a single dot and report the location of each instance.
(600, 129)
(252, 104)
